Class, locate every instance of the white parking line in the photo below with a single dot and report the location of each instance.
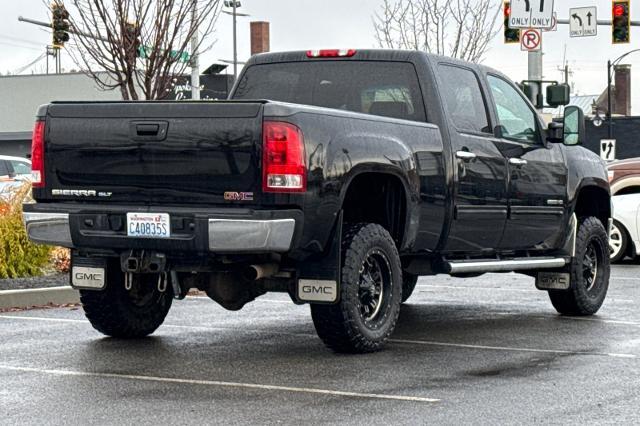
(218, 384)
(512, 349)
(405, 341)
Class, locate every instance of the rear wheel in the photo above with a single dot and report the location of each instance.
(589, 271)
(618, 241)
(370, 293)
(128, 313)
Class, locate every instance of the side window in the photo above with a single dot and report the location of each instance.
(21, 168)
(463, 99)
(516, 120)
(4, 168)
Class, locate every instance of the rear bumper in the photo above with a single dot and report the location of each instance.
(224, 231)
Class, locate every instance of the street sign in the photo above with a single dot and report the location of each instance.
(554, 24)
(531, 40)
(608, 149)
(531, 14)
(583, 22)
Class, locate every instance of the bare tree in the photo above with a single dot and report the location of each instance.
(138, 46)
(457, 28)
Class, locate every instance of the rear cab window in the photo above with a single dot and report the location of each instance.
(463, 99)
(389, 89)
(21, 167)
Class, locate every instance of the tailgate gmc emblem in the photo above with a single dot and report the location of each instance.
(238, 196)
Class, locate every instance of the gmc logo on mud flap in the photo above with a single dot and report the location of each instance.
(90, 277)
(317, 290)
(553, 281)
(87, 277)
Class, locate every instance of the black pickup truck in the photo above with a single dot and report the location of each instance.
(337, 176)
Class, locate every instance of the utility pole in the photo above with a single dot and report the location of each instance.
(195, 65)
(535, 71)
(235, 41)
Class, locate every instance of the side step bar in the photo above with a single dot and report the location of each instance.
(471, 266)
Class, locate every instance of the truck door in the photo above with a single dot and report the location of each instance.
(480, 172)
(537, 173)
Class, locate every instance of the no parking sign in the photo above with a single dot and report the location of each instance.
(531, 40)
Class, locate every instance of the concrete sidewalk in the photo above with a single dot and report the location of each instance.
(38, 297)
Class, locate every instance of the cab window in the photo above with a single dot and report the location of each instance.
(21, 168)
(463, 99)
(516, 120)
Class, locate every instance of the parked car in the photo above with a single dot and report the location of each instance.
(364, 170)
(624, 176)
(20, 167)
(625, 235)
(14, 171)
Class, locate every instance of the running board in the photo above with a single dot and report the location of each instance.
(472, 266)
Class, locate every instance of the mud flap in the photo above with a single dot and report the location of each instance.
(319, 278)
(546, 280)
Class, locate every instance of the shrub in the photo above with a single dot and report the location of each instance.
(61, 259)
(19, 257)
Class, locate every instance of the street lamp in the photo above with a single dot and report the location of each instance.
(234, 4)
(610, 66)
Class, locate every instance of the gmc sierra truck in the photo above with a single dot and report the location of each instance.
(336, 176)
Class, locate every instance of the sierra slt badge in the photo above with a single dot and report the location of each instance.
(317, 290)
(79, 193)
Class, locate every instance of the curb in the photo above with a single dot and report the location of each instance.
(38, 297)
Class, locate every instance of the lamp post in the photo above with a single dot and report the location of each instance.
(610, 67)
(234, 5)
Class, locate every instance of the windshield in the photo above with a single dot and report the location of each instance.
(388, 89)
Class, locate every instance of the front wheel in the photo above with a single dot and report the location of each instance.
(589, 270)
(130, 310)
(370, 293)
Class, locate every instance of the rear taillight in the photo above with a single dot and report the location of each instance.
(331, 53)
(37, 155)
(283, 159)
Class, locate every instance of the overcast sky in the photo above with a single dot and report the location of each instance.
(308, 24)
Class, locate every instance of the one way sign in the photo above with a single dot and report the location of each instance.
(531, 14)
(583, 22)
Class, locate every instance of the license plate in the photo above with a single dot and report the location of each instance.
(148, 225)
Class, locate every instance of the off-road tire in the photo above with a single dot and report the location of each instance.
(584, 298)
(343, 327)
(624, 242)
(409, 282)
(113, 311)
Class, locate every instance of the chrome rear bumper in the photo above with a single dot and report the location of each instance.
(49, 228)
(224, 235)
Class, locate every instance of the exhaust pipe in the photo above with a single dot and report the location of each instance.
(257, 272)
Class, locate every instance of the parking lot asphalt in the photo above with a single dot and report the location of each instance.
(487, 350)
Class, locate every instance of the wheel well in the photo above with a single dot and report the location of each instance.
(594, 201)
(377, 198)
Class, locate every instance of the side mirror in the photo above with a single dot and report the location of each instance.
(574, 129)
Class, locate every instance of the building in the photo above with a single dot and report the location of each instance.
(21, 95)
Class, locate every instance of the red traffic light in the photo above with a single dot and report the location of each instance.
(619, 10)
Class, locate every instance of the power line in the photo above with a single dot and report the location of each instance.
(19, 46)
(35, 61)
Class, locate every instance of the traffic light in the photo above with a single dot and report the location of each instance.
(621, 22)
(60, 24)
(511, 35)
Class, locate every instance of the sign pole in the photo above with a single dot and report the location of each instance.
(535, 70)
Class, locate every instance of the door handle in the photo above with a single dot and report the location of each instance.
(466, 155)
(518, 162)
(148, 130)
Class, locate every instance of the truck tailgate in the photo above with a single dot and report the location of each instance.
(152, 152)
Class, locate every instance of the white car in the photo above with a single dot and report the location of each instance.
(14, 171)
(625, 238)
